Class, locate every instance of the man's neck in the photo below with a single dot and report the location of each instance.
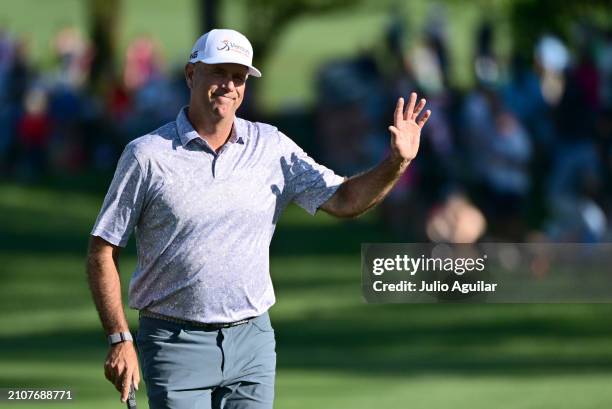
(215, 131)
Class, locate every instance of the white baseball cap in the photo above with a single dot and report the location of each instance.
(224, 46)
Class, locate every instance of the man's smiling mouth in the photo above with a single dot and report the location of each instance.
(225, 96)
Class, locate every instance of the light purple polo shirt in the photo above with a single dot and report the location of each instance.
(203, 221)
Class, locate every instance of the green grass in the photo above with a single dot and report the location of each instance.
(334, 351)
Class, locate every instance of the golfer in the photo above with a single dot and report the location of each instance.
(204, 194)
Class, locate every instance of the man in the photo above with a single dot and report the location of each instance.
(204, 194)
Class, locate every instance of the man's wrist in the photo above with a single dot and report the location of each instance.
(400, 163)
(119, 337)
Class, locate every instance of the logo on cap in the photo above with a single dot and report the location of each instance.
(193, 55)
(227, 45)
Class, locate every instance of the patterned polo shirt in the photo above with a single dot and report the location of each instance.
(203, 221)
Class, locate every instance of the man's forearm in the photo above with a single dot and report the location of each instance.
(364, 191)
(105, 285)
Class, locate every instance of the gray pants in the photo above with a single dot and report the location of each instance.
(188, 367)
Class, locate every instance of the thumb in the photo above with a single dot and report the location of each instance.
(395, 133)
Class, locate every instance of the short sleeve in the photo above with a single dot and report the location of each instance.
(308, 183)
(123, 202)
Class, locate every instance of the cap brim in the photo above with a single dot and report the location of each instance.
(252, 70)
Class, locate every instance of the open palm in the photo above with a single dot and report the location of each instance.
(406, 128)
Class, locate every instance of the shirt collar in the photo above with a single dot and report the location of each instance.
(188, 134)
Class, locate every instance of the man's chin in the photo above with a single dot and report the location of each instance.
(223, 112)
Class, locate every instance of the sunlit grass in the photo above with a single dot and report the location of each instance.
(333, 349)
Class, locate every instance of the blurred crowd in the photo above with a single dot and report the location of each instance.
(52, 118)
(524, 154)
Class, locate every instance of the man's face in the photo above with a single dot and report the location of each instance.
(218, 88)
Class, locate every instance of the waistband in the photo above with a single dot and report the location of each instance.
(206, 326)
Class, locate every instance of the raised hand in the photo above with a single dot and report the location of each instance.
(406, 128)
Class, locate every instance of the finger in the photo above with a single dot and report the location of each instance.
(108, 374)
(136, 379)
(125, 386)
(419, 108)
(111, 373)
(119, 383)
(399, 109)
(424, 118)
(410, 109)
(119, 378)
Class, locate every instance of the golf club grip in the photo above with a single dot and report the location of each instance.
(131, 400)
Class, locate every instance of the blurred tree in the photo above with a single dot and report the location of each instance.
(209, 14)
(530, 19)
(103, 18)
(267, 18)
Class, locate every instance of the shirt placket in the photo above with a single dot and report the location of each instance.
(218, 158)
(221, 160)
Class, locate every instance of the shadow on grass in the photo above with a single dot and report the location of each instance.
(52, 228)
(355, 341)
(340, 239)
(376, 340)
(288, 241)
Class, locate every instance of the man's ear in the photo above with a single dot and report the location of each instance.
(189, 74)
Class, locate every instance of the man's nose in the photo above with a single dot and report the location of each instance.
(228, 83)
